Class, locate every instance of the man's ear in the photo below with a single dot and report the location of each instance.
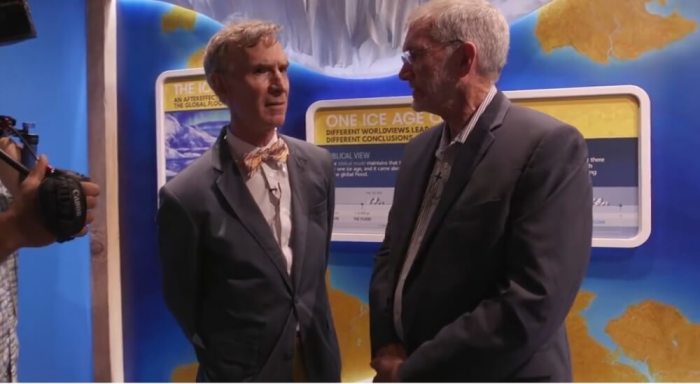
(467, 62)
(218, 85)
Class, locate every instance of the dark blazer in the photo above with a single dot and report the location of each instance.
(225, 277)
(503, 256)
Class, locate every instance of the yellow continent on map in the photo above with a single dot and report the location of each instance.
(178, 17)
(183, 18)
(649, 332)
(661, 336)
(351, 318)
(196, 60)
(605, 29)
(591, 360)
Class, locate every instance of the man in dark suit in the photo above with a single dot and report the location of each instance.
(244, 231)
(489, 234)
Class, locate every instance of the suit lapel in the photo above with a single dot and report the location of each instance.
(234, 191)
(468, 157)
(298, 181)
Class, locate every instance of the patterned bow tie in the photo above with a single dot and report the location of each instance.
(277, 152)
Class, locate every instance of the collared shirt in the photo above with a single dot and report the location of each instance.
(269, 186)
(9, 347)
(444, 158)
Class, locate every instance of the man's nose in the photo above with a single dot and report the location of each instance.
(277, 81)
(405, 72)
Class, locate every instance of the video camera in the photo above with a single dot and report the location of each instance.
(62, 201)
(30, 141)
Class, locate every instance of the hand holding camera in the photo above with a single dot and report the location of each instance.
(49, 204)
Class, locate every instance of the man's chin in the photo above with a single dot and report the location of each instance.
(277, 122)
(418, 105)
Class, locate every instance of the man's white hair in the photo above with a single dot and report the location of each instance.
(475, 21)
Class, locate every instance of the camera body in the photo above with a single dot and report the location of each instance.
(62, 201)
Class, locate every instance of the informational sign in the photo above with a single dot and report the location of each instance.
(189, 118)
(366, 139)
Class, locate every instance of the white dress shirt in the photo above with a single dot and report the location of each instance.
(269, 186)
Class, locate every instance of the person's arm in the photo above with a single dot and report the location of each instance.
(381, 293)
(22, 225)
(547, 253)
(178, 241)
(9, 242)
(9, 178)
(387, 351)
(8, 175)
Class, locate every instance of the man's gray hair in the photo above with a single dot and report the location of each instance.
(239, 35)
(476, 21)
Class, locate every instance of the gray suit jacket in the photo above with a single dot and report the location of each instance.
(503, 256)
(224, 275)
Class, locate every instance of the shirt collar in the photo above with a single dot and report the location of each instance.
(461, 137)
(239, 147)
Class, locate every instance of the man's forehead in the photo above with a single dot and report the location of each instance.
(418, 33)
(261, 54)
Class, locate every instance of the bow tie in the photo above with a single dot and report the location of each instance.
(277, 152)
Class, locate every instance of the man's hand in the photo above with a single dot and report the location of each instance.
(27, 227)
(22, 224)
(91, 191)
(387, 362)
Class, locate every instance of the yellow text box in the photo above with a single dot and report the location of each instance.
(189, 93)
(393, 121)
(370, 124)
(597, 117)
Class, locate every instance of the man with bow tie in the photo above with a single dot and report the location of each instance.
(244, 231)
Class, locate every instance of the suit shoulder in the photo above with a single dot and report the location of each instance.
(531, 117)
(538, 123)
(543, 137)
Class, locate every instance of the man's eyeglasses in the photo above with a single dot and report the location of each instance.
(409, 56)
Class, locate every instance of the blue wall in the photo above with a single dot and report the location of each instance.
(43, 80)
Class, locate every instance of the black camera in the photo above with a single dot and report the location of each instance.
(30, 140)
(62, 201)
